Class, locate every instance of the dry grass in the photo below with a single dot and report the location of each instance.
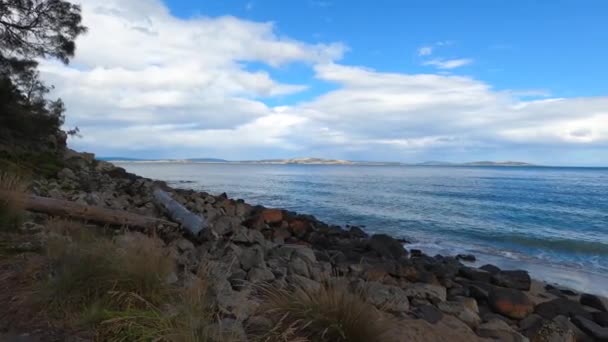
(88, 269)
(14, 190)
(331, 313)
(119, 289)
(189, 318)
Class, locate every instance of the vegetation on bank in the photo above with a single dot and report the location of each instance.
(330, 313)
(13, 190)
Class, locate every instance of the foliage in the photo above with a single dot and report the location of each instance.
(32, 29)
(330, 313)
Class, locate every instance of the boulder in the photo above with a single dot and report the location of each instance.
(426, 291)
(490, 269)
(519, 279)
(466, 257)
(415, 253)
(303, 283)
(252, 257)
(600, 318)
(595, 302)
(561, 306)
(260, 275)
(501, 331)
(475, 274)
(428, 313)
(460, 311)
(272, 216)
(299, 266)
(386, 246)
(591, 328)
(549, 331)
(385, 297)
(510, 302)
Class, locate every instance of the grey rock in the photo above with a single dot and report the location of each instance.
(238, 279)
(518, 279)
(183, 245)
(600, 318)
(305, 284)
(490, 269)
(428, 313)
(531, 322)
(595, 302)
(66, 174)
(299, 267)
(389, 298)
(561, 306)
(460, 311)
(260, 275)
(550, 331)
(387, 246)
(475, 274)
(591, 328)
(501, 331)
(426, 291)
(252, 257)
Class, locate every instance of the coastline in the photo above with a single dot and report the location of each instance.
(439, 294)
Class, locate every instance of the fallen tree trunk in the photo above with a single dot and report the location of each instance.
(193, 223)
(63, 208)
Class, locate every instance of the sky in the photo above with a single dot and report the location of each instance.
(382, 80)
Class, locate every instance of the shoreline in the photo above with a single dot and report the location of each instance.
(437, 297)
(563, 275)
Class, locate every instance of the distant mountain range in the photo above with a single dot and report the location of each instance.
(314, 161)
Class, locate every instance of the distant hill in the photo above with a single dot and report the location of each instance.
(302, 161)
(500, 163)
(313, 161)
(476, 163)
(190, 160)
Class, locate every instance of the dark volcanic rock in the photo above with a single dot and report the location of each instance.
(490, 268)
(475, 274)
(510, 302)
(591, 328)
(513, 279)
(428, 313)
(600, 318)
(561, 306)
(387, 246)
(466, 257)
(415, 253)
(595, 302)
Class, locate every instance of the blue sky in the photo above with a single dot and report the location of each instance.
(556, 46)
(383, 80)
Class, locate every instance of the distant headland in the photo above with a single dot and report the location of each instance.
(315, 161)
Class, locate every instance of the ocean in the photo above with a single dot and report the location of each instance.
(551, 221)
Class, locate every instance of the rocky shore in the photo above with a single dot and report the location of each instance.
(433, 298)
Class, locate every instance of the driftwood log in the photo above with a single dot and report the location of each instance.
(97, 214)
(191, 222)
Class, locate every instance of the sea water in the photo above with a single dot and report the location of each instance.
(552, 221)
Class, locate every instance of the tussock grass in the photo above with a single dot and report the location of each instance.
(189, 318)
(88, 269)
(119, 288)
(13, 189)
(331, 313)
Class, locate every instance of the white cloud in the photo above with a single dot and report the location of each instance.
(425, 51)
(448, 63)
(147, 82)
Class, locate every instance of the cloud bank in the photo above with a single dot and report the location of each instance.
(146, 83)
